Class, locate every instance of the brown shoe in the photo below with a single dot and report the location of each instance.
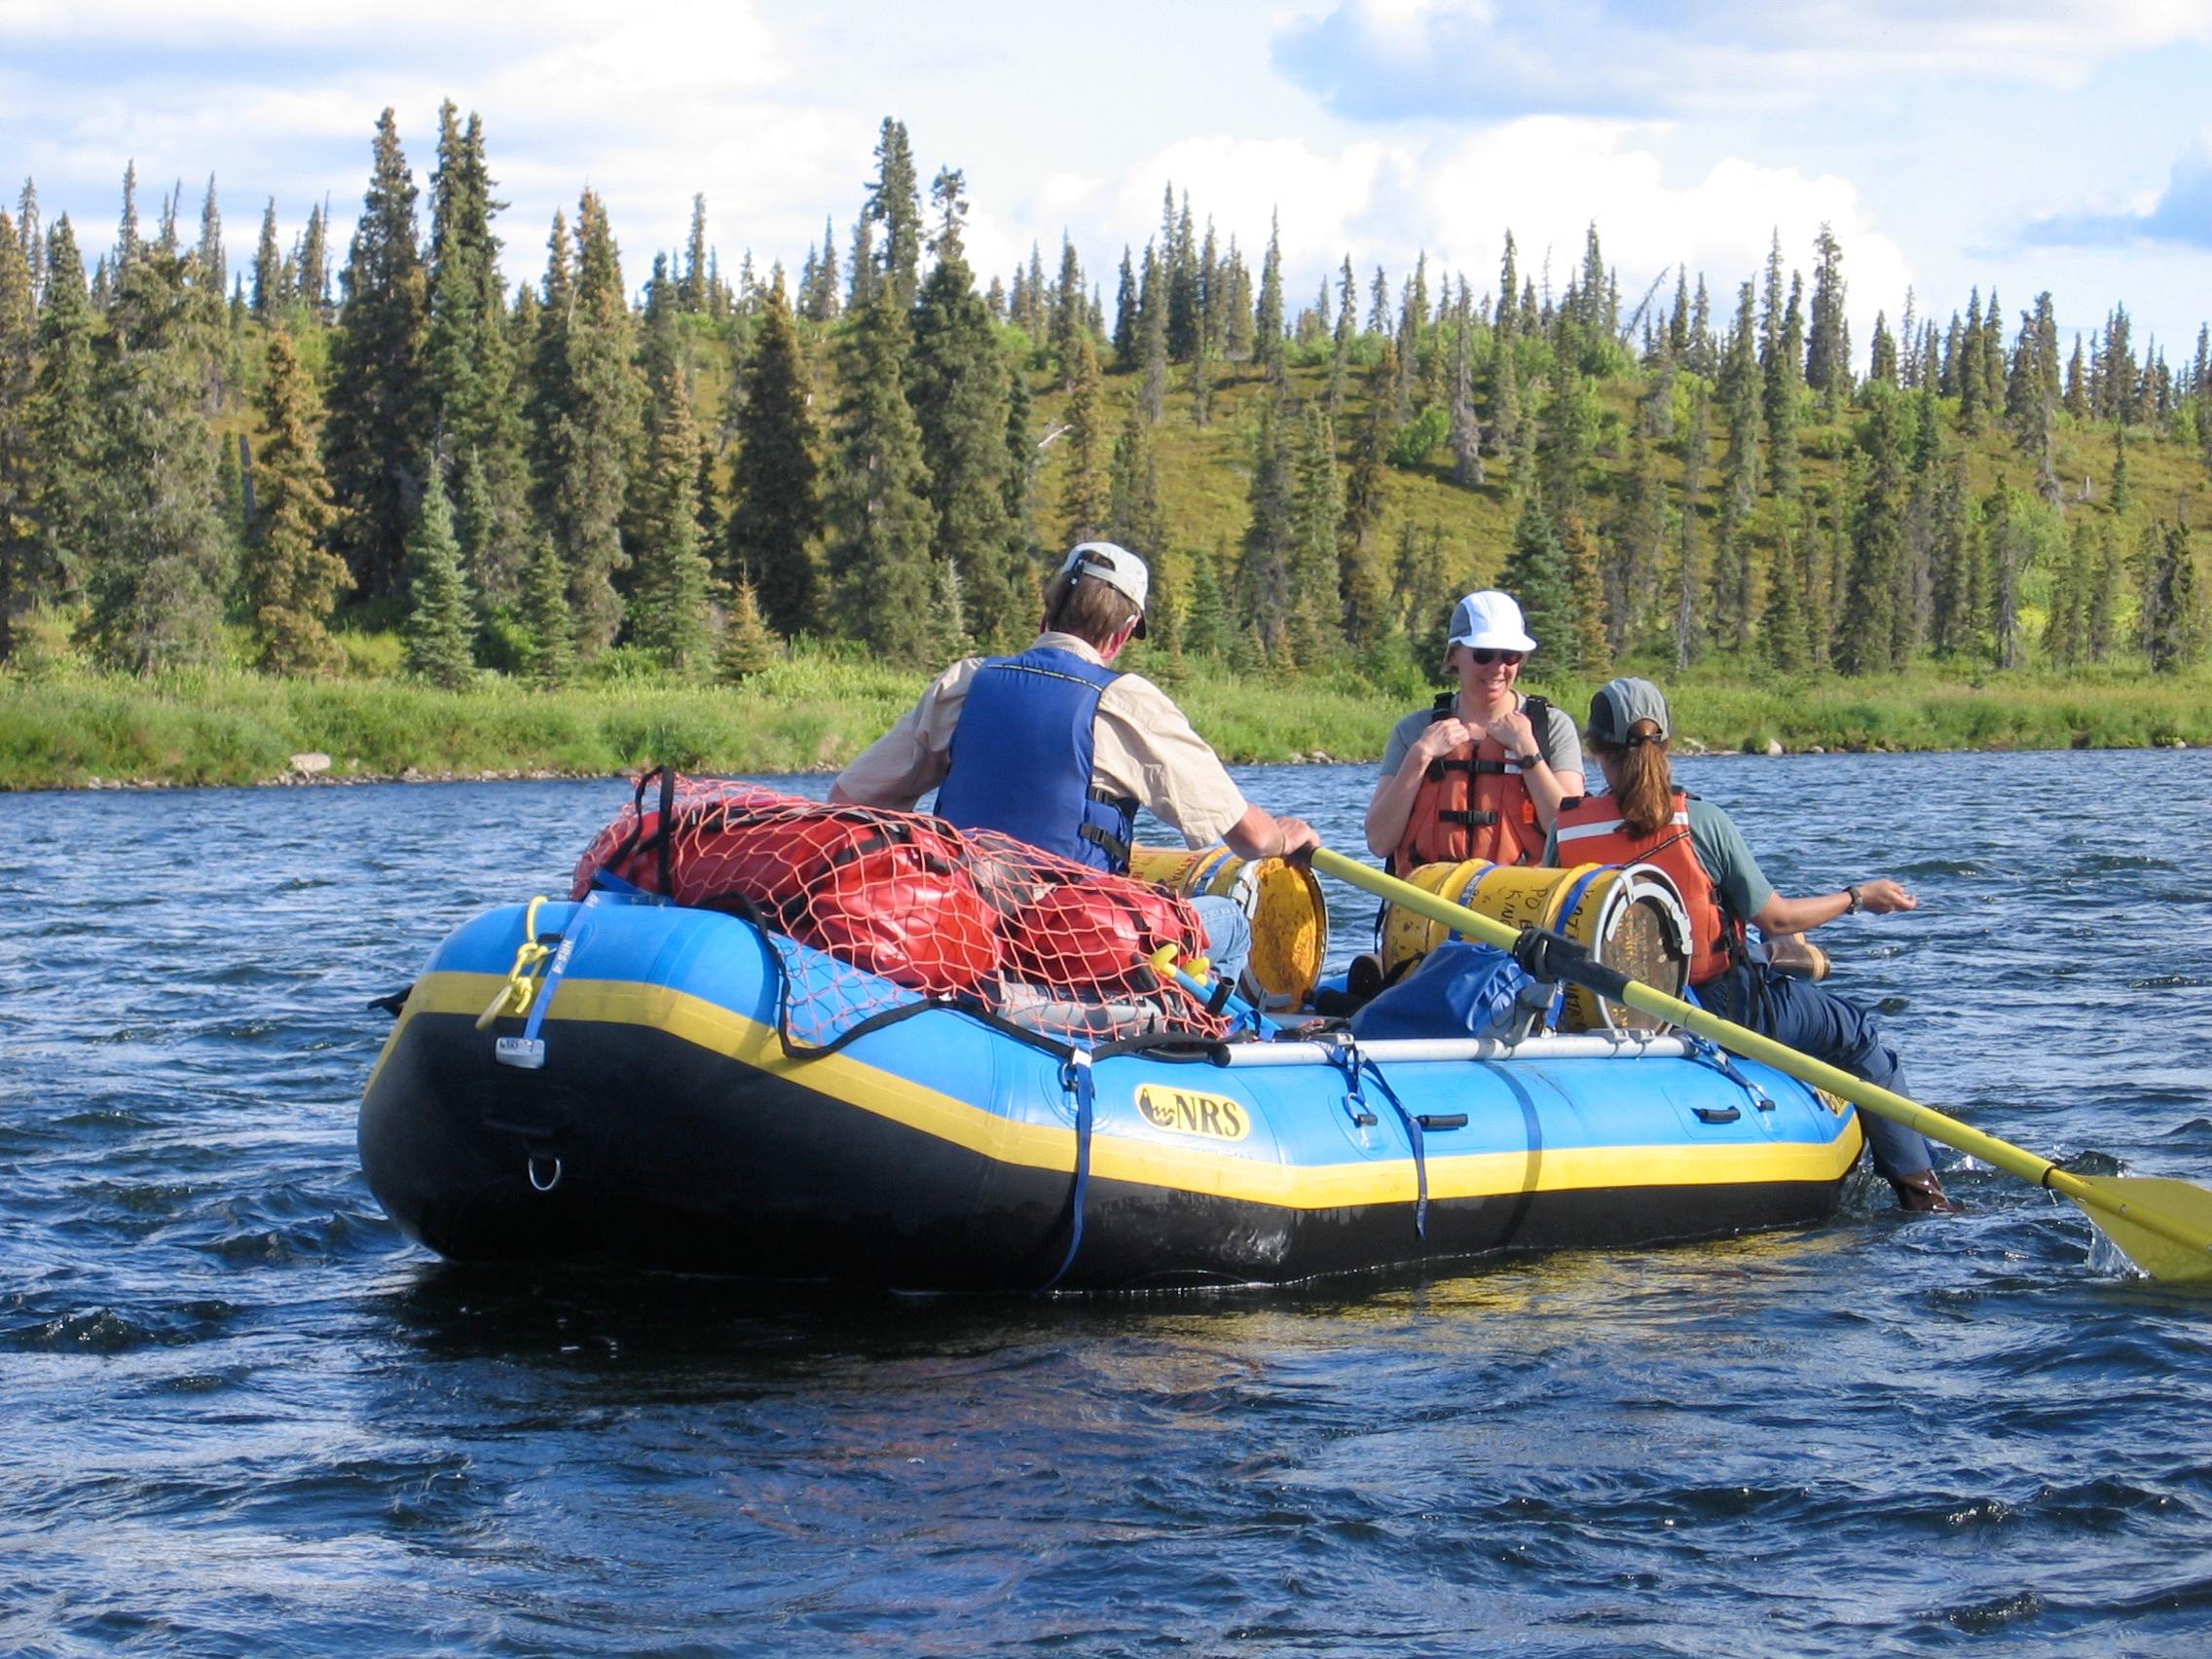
(1924, 1194)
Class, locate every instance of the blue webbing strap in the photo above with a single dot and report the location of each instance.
(1414, 1139)
(578, 929)
(1346, 1056)
(1554, 1012)
(1075, 1078)
(1719, 1059)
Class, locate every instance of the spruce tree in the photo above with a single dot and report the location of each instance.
(157, 572)
(1152, 354)
(1020, 476)
(1325, 569)
(1953, 623)
(1467, 432)
(549, 650)
(1689, 557)
(474, 406)
(1133, 516)
(269, 294)
(1206, 617)
(1828, 347)
(958, 387)
(291, 578)
(1266, 324)
(2066, 623)
(1070, 315)
(23, 576)
(30, 235)
(2172, 620)
(894, 203)
(1261, 595)
(749, 647)
(2122, 495)
(1371, 447)
(1864, 635)
(1127, 327)
(1781, 627)
(377, 434)
(881, 523)
(2008, 520)
(667, 613)
(776, 516)
(1087, 490)
(436, 638)
(65, 421)
(311, 270)
(1536, 575)
(1592, 652)
(595, 440)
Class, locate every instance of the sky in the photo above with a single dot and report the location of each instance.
(2019, 145)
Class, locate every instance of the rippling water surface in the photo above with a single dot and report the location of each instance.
(241, 1415)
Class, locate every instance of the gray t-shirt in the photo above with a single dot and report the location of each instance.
(1562, 747)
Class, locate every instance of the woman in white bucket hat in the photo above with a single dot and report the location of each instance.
(1479, 774)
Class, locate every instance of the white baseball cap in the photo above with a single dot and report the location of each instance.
(1490, 620)
(1118, 569)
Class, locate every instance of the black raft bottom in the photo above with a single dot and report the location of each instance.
(637, 1147)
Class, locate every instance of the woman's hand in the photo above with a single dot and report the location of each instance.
(1884, 897)
(1513, 734)
(1439, 739)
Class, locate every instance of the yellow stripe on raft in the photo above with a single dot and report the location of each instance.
(1181, 1169)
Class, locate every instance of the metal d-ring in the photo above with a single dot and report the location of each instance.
(530, 1168)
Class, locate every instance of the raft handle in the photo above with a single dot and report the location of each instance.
(1717, 1114)
(1441, 1120)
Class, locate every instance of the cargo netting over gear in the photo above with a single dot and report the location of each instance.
(871, 912)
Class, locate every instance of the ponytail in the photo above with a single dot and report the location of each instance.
(1647, 792)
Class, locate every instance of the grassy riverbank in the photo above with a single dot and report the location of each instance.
(72, 729)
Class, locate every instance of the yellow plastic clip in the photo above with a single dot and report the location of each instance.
(1164, 962)
(521, 977)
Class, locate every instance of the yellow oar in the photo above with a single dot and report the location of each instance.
(2163, 1226)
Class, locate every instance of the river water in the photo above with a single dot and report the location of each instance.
(240, 1415)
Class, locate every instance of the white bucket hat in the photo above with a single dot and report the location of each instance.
(1490, 620)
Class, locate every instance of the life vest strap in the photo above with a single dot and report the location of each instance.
(1479, 768)
(1473, 818)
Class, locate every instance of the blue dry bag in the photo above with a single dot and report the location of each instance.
(1460, 989)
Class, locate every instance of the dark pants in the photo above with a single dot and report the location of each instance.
(1814, 1021)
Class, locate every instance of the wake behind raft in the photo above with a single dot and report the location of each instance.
(773, 1038)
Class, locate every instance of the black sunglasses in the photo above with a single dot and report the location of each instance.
(1483, 656)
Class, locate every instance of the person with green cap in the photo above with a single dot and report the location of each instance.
(1646, 818)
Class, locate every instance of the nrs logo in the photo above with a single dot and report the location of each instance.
(1184, 1112)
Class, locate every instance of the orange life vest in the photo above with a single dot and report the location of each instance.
(1472, 804)
(1590, 830)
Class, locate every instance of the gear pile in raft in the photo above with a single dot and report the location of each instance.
(894, 910)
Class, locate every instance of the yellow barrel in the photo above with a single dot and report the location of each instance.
(1628, 916)
(1282, 900)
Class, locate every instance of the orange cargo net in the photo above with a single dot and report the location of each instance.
(871, 911)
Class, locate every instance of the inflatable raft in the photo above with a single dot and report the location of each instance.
(616, 1077)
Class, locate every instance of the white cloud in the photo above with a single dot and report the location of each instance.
(1545, 179)
(1481, 60)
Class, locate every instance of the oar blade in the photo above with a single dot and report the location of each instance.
(2163, 1226)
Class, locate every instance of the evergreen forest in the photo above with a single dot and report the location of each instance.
(384, 455)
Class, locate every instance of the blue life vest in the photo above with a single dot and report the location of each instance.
(1021, 759)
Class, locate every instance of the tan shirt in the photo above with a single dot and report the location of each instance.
(1141, 746)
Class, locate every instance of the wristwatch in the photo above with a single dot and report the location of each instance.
(1852, 893)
